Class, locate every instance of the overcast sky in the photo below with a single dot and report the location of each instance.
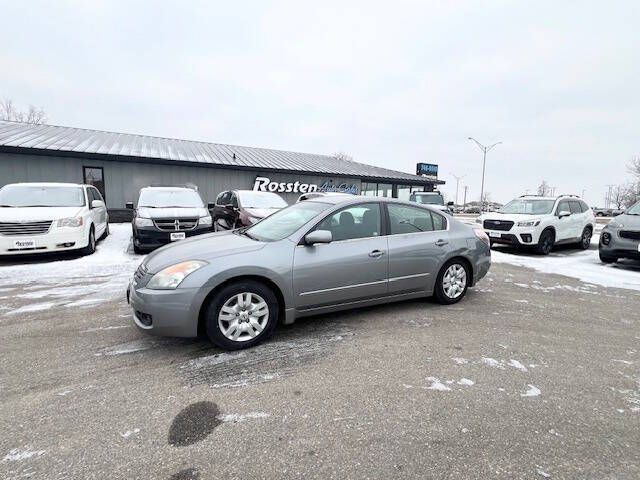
(392, 84)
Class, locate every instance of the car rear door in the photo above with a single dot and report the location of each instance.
(418, 245)
(352, 267)
(577, 218)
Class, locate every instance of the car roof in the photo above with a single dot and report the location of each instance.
(47, 184)
(349, 199)
(168, 188)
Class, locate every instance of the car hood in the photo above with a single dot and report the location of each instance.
(261, 212)
(509, 217)
(33, 214)
(146, 212)
(206, 247)
(629, 221)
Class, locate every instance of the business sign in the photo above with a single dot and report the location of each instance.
(427, 169)
(264, 184)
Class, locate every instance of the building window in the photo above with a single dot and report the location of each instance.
(384, 190)
(94, 176)
(404, 192)
(369, 189)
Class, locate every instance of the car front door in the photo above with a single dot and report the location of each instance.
(219, 210)
(98, 214)
(352, 267)
(564, 228)
(418, 245)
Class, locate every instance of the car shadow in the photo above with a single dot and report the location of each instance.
(36, 258)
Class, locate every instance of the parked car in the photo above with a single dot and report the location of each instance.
(620, 238)
(318, 256)
(607, 212)
(435, 199)
(541, 222)
(241, 208)
(167, 214)
(310, 195)
(51, 217)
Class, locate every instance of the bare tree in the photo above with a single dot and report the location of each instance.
(544, 190)
(34, 115)
(618, 196)
(343, 156)
(631, 194)
(486, 199)
(634, 167)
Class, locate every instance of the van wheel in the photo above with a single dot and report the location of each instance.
(585, 239)
(545, 242)
(91, 245)
(452, 282)
(241, 315)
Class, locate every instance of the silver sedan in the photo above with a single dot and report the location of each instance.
(322, 255)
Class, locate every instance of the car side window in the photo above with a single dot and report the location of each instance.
(90, 196)
(357, 221)
(96, 194)
(234, 200)
(563, 206)
(574, 207)
(223, 198)
(405, 219)
(585, 207)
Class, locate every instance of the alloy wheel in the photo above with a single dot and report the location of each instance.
(454, 281)
(586, 238)
(243, 317)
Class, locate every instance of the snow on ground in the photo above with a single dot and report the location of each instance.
(73, 281)
(584, 265)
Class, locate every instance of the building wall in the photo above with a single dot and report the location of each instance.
(123, 180)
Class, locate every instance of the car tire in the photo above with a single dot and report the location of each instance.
(226, 311)
(545, 242)
(106, 233)
(607, 259)
(91, 244)
(454, 270)
(585, 239)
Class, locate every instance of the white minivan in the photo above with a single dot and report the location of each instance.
(51, 217)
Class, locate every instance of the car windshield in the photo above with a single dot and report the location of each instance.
(634, 210)
(161, 198)
(41, 196)
(261, 200)
(528, 207)
(285, 222)
(430, 199)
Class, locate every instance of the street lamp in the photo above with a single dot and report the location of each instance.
(484, 161)
(457, 184)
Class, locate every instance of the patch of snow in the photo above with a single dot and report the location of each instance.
(531, 392)
(128, 433)
(460, 360)
(17, 455)
(34, 307)
(516, 364)
(213, 360)
(466, 381)
(129, 347)
(522, 301)
(238, 418)
(436, 384)
(97, 329)
(626, 362)
(542, 473)
(492, 362)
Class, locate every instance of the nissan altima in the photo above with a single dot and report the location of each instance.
(322, 255)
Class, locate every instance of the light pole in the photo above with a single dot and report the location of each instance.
(457, 184)
(484, 161)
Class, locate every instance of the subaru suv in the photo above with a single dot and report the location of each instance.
(167, 214)
(541, 223)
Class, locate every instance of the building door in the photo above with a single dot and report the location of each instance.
(94, 176)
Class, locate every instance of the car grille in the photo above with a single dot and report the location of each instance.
(503, 225)
(176, 225)
(24, 228)
(140, 273)
(630, 234)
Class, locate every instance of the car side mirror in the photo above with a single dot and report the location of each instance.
(318, 236)
(450, 204)
(97, 204)
(564, 213)
(129, 205)
(211, 206)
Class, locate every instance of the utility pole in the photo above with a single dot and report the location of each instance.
(607, 199)
(457, 184)
(464, 205)
(484, 162)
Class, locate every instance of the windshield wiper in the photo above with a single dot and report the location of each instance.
(407, 222)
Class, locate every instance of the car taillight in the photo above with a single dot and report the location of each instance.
(482, 235)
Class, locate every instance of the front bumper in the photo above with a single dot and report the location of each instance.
(619, 247)
(169, 313)
(151, 237)
(516, 236)
(56, 240)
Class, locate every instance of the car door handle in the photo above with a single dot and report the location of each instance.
(441, 243)
(376, 253)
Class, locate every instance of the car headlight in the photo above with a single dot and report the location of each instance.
(171, 277)
(206, 221)
(614, 224)
(143, 222)
(70, 222)
(529, 223)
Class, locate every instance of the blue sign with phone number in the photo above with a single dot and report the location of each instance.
(427, 169)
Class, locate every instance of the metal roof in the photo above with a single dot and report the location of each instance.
(51, 139)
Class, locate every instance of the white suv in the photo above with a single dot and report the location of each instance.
(51, 217)
(541, 222)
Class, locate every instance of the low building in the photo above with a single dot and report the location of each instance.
(119, 164)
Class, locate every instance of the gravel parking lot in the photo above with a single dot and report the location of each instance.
(533, 375)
